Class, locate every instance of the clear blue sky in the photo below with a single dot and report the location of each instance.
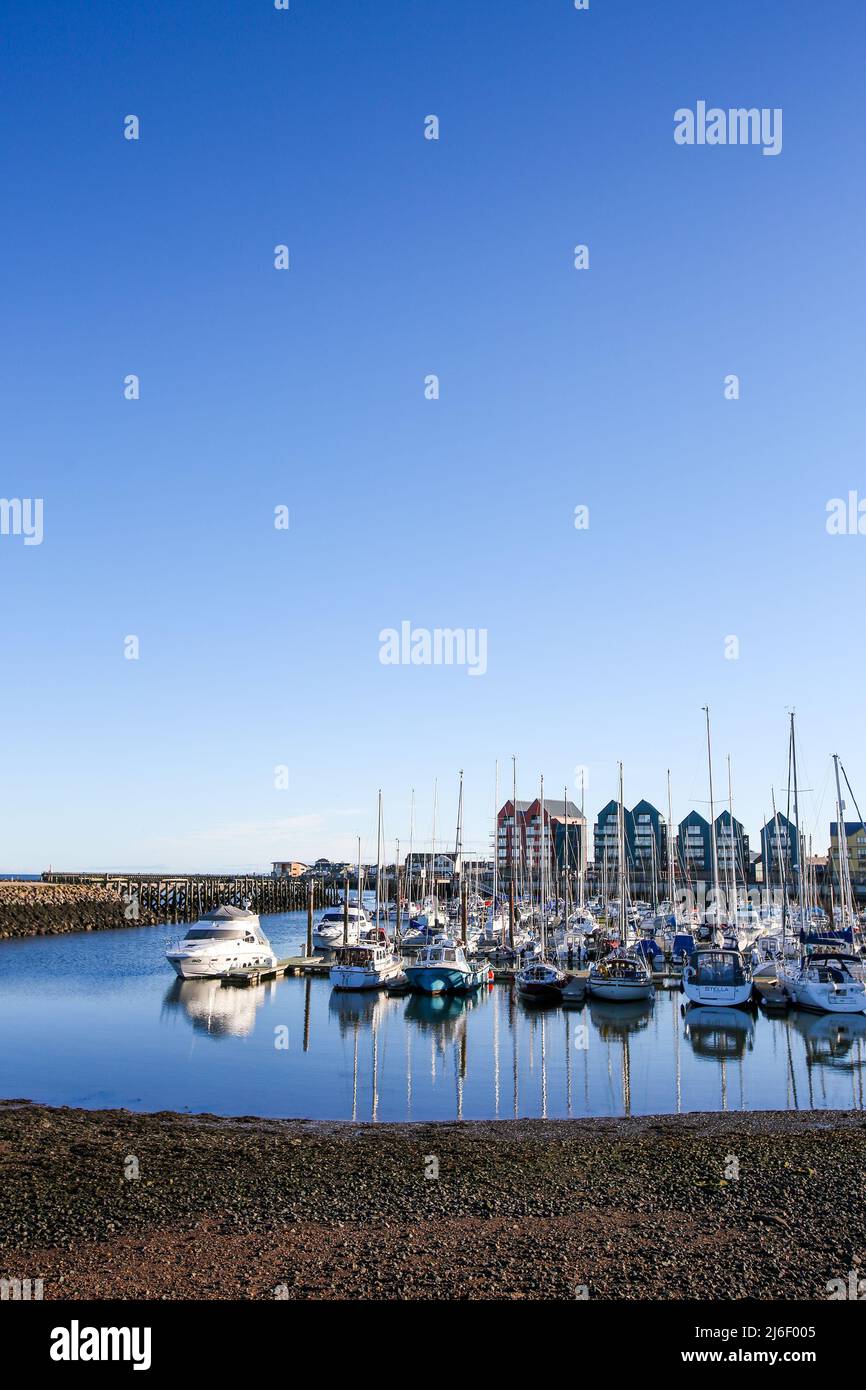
(260, 647)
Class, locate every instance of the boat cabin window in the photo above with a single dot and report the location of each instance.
(718, 968)
(216, 934)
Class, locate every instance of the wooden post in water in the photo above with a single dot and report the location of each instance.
(310, 920)
(346, 911)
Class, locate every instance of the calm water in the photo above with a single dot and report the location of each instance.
(99, 1020)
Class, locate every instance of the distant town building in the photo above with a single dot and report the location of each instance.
(606, 837)
(519, 837)
(649, 840)
(288, 868)
(418, 865)
(732, 847)
(779, 852)
(855, 837)
(695, 847)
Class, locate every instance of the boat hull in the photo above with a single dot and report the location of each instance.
(540, 993)
(437, 979)
(824, 999)
(718, 996)
(626, 991)
(192, 968)
(347, 977)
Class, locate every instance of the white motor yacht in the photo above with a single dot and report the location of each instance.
(225, 939)
(328, 931)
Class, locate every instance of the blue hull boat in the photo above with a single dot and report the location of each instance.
(435, 979)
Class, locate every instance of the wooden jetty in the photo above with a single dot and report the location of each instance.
(186, 897)
(291, 965)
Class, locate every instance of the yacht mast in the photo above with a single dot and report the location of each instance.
(379, 863)
(713, 844)
(458, 847)
(623, 915)
(671, 842)
(565, 859)
(495, 842)
(800, 891)
(582, 868)
(844, 866)
(514, 850)
(411, 837)
(433, 855)
(541, 877)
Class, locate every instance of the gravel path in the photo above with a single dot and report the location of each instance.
(252, 1208)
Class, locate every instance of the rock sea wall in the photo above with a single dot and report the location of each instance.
(51, 909)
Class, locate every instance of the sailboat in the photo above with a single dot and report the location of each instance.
(828, 978)
(539, 981)
(622, 974)
(368, 963)
(717, 976)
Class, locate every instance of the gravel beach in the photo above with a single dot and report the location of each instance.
(247, 1208)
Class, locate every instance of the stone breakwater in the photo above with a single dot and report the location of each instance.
(52, 909)
(111, 1204)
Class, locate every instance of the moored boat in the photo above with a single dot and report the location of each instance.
(620, 976)
(541, 983)
(717, 977)
(225, 939)
(338, 925)
(441, 967)
(826, 982)
(365, 965)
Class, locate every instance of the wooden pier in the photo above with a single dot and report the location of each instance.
(291, 965)
(186, 897)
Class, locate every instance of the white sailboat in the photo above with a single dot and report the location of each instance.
(365, 965)
(622, 975)
(716, 976)
(829, 979)
(540, 981)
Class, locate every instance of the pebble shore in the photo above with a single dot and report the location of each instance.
(766, 1205)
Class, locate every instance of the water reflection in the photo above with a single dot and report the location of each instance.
(152, 1042)
(724, 1034)
(212, 1008)
(620, 1020)
(832, 1040)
